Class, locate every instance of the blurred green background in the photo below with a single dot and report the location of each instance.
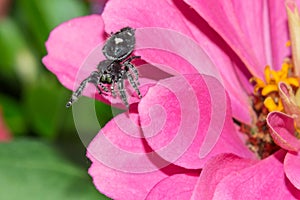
(45, 158)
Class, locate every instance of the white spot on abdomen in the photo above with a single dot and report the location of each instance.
(118, 40)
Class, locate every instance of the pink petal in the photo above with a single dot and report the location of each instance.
(224, 59)
(279, 32)
(69, 44)
(183, 119)
(241, 107)
(215, 170)
(179, 186)
(118, 185)
(122, 163)
(292, 168)
(143, 14)
(178, 17)
(264, 180)
(282, 131)
(243, 25)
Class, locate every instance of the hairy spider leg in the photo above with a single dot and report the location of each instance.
(128, 64)
(122, 92)
(93, 78)
(133, 84)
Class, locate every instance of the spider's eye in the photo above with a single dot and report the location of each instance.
(103, 78)
(108, 79)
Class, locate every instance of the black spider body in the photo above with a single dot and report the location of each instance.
(120, 45)
(115, 69)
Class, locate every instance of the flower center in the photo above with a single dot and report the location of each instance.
(268, 89)
(278, 91)
(266, 98)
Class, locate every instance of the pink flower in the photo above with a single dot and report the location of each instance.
(278, 175)
(67, 50)
(285, 125)
(241, 38)
(259, 42)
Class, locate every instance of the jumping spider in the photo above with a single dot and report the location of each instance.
(115, 69)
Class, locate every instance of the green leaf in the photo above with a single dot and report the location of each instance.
(34, 170)
(40, 17)
(105, 112)
(17, 60)
(10, 41)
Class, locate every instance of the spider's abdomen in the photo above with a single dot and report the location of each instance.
(120, 45)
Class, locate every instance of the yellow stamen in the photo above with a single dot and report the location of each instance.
(259, 84)
(272, 106)
(292, 81)
(283, 73)
(268, 89)
(267, 74)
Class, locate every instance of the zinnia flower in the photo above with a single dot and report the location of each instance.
(276, 176)
(285, 122)
(244, 39)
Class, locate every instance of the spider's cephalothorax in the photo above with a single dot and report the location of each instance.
(115, 69)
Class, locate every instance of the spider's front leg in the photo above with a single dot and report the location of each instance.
(133, 82)
(130, 66)
(93, 78)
